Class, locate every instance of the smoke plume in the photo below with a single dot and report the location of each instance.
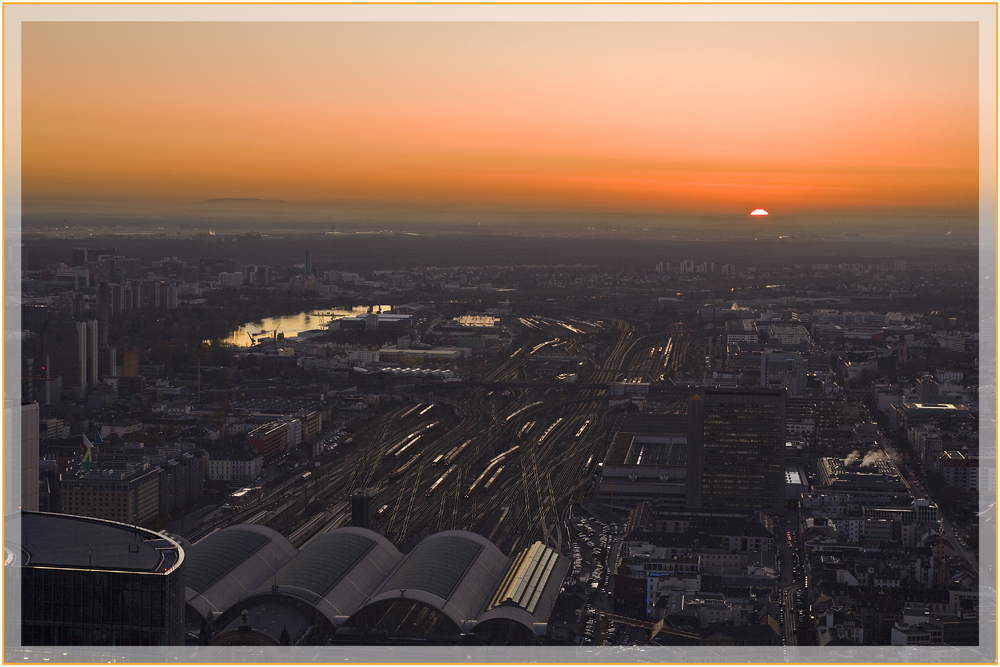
(872, 457)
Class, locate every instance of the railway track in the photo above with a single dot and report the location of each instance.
(536, 482)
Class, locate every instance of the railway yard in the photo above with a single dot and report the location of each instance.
(504, 456)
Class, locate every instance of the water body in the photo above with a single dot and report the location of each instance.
(291, 325)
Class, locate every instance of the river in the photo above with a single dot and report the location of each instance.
(290, 325)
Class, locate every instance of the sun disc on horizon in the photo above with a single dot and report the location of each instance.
(758, 211)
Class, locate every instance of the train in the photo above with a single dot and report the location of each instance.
(455, 453)
(243, 498)
(435, 485)
(410, 411)
(482, 475)
(541, 440)
(524, 409)
(401, 450)
(502, 455)
(401, 470)
(491, 480)
(408, 439)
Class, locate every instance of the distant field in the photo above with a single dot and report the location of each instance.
(367, 252)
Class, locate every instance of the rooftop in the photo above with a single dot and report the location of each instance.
(314, 571)
(71, 542)
(228, 564)
(637, 449)
(435, 566)
(652, 451)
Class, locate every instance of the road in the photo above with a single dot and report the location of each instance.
(947, 530)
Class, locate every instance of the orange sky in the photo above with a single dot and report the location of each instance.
(659, 117)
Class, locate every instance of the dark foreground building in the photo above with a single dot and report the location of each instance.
(91, 582)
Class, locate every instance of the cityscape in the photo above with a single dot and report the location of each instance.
(478, 407)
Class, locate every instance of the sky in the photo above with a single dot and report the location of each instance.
(647, 117)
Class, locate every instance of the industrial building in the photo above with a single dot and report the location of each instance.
(311, 593)
(227, 565)
(860, 476)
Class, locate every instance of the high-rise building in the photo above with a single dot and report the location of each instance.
(736, 449)
(258, 275)
(29, 458)
(71, 347)
(362, 501)
(93, 582)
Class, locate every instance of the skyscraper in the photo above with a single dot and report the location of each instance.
(72, 350)
(736, 449)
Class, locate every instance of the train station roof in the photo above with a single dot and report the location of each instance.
(336, 571)
(453, 571)
(529, 589)
(227, 565)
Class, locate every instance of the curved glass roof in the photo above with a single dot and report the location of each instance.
(436, 566)
(216, 555)
(317, 568)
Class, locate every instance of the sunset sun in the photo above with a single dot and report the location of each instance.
(758, 211)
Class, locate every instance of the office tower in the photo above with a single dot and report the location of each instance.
(128, 496)
(736, 449)
(71, 347)
(94, 583)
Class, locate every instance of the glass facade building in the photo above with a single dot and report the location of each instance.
(90, 582)
(736, 449)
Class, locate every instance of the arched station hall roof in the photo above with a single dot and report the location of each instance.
(227, 565)
(335, 572)
(529, 588)
(453, 571)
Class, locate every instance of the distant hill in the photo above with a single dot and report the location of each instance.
(243, 202)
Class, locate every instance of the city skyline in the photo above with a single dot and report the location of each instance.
(632, 117)
(651, 332)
